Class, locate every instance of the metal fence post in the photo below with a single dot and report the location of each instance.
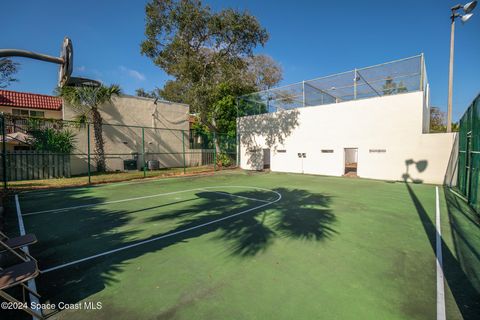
(237, 150)
(214, 152)
(422, 70)
(237, 133)
(143, 153)
(183, 146)
(303, 93)
(4, 153)
(355, 84)
(88, 153)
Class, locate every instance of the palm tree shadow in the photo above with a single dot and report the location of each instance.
(313, 220)
(300, 215)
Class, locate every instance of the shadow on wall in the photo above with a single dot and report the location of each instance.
(272, 128)
(420, 166)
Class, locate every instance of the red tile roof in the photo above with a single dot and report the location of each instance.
(29, 100)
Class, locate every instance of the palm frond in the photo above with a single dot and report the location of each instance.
(88, 97)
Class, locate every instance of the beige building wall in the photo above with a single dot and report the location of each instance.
(388, 132)
(49, 114)
(164, 125)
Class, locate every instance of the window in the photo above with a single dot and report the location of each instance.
(38, 114)
(20, 112)
(327, 151)
(28, 113)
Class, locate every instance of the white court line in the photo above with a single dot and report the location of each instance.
(236, 196)
(31, 283)
(104, 203)
(105, 185)
(204, 189)
(279, 196)
(441, 315)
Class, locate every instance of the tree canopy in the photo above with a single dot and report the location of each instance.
(7, 70)
(209, 55)
(438, 122)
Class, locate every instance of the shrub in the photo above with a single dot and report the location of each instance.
(224, 160)
(51, 139)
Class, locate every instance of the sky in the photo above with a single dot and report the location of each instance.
(308, 38)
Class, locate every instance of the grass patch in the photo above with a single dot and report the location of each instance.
(97, 178)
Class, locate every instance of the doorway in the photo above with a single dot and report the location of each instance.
(351, 161)
(266, 158)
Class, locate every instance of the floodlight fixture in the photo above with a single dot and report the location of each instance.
(465, 17)
(469, 6)
(467, 9)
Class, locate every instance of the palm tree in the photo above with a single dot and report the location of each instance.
(87, 100)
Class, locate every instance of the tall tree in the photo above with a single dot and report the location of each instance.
(263, 72)
(204, 51)
(7, 69)
(391, 87)
(437, 120)
(87, 101)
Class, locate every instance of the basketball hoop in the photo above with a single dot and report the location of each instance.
(66, 67)
(65, 61)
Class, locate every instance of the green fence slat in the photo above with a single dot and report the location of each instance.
(468, 178)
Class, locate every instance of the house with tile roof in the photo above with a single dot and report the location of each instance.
(27, 104)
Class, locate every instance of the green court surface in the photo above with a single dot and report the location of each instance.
(250, 246)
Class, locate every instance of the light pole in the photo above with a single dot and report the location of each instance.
(467, 8)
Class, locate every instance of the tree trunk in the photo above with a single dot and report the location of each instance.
(99, 156)
(217, 144)
(213, 129)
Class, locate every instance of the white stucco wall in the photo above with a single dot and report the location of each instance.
(390, 123)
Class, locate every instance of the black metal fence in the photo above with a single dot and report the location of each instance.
(37, 149)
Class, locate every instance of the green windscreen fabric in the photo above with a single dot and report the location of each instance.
(469, 154)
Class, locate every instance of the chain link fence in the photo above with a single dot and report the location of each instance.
(35, 149)
(400, 76)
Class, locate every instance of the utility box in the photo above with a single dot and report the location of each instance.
(129, 164)
(153, 164)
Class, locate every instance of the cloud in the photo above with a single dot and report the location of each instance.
(81, 68)
(133, 73)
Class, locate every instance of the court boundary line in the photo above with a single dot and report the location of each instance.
(441, 315)
(68, 264)
(122, 183)
(204, 189)
(236, 196)
(21, 226)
